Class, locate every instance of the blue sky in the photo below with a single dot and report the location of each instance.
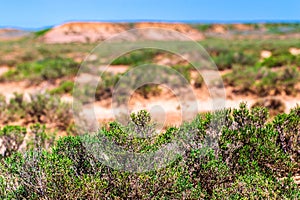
(42, 13)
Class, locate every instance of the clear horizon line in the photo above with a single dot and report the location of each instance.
(192, 21)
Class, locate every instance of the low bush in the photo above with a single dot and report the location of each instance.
(283, 59)
(254, 160)
(184, 71)
(149, 90)
(86, 92)
(41, 108)
(199, 81)
(47, 69)
(281, 81)
(63, 88)
(226, 60)
(288, 128)
(17, 138)
(135, 58)
(263, 81)
(11, 138)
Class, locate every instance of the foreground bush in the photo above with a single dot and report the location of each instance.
(254, 160)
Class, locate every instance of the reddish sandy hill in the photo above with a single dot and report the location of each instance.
(182, 28)
(218, 28)
(243, 27)
(83, 32)
(223, 28)
(98, 31)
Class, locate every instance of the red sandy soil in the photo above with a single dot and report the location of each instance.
(164, 107)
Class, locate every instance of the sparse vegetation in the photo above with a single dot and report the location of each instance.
(263, 81)
(199, 82)
(283, 59)
(225, 60)
(42, 32)
(41, 108)
(136, 57)
(274, 105)
(47, 69)
(63, 88)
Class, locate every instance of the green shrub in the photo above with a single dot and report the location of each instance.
(263, 81)
(42, 108)
(226, 60)
(242, 78)
(12, 110)
(184, 71)
(283, 80)
(136, 57)
(42, 32)
(250, 162)
(63, 88)
(16, 138)
(288, 128)
(47, 69)
(251, 143)
(283, 59)
(203, 27)
(11, 138)
(149, 90)
(87, 93)
(199, 81)
(258, 186)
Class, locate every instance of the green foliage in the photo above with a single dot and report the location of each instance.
(226, 59)
(288, 128)
(184, 71)
(88, 93)
(149, 90)
(17, 138)
(106, 86)
(280, 28)
(63, 88)
(258, 186)
(283, 80)
(11, 138)
(203, 27)
(135, 58)
(249, 163)
(12, 110)
(47, 69)
(282, 59)
(263, 81)
(42, 32)
(42, 108)
(251, 143)
(199, 81)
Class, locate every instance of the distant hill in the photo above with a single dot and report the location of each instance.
(99, 31)
(89, 32)
(11, 34)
